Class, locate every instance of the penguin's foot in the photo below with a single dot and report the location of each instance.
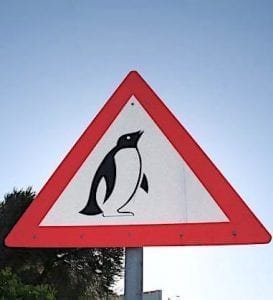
(118, 214)
(125, 213)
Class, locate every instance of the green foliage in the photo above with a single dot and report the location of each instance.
(11, 287)
(71, 272)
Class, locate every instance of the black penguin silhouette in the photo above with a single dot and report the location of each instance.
(107, 173)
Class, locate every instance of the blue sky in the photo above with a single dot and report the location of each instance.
(211, 62)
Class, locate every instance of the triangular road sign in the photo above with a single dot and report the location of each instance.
(136, 178)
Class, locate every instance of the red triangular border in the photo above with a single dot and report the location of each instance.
(243, 228)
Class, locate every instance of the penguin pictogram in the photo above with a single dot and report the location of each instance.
(110, 190)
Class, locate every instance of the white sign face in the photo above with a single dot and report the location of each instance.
(133, 176)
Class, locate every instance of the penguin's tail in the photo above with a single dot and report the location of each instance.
(91, 208)
(91, 211)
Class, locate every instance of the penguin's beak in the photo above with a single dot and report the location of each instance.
(140, 132)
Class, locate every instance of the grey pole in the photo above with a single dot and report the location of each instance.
(133, 273)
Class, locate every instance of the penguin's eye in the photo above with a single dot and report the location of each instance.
(128, 137)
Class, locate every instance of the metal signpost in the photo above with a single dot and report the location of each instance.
(133, 273)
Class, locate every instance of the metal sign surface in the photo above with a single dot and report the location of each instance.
(136, 178)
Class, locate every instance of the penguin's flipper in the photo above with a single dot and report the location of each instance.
(109, 173)
(144, 184)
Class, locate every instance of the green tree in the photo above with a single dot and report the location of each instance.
(11, 287)
(71, 272)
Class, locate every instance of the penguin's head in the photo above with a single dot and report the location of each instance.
(129, 140)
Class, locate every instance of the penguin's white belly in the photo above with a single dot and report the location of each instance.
(128, 171)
